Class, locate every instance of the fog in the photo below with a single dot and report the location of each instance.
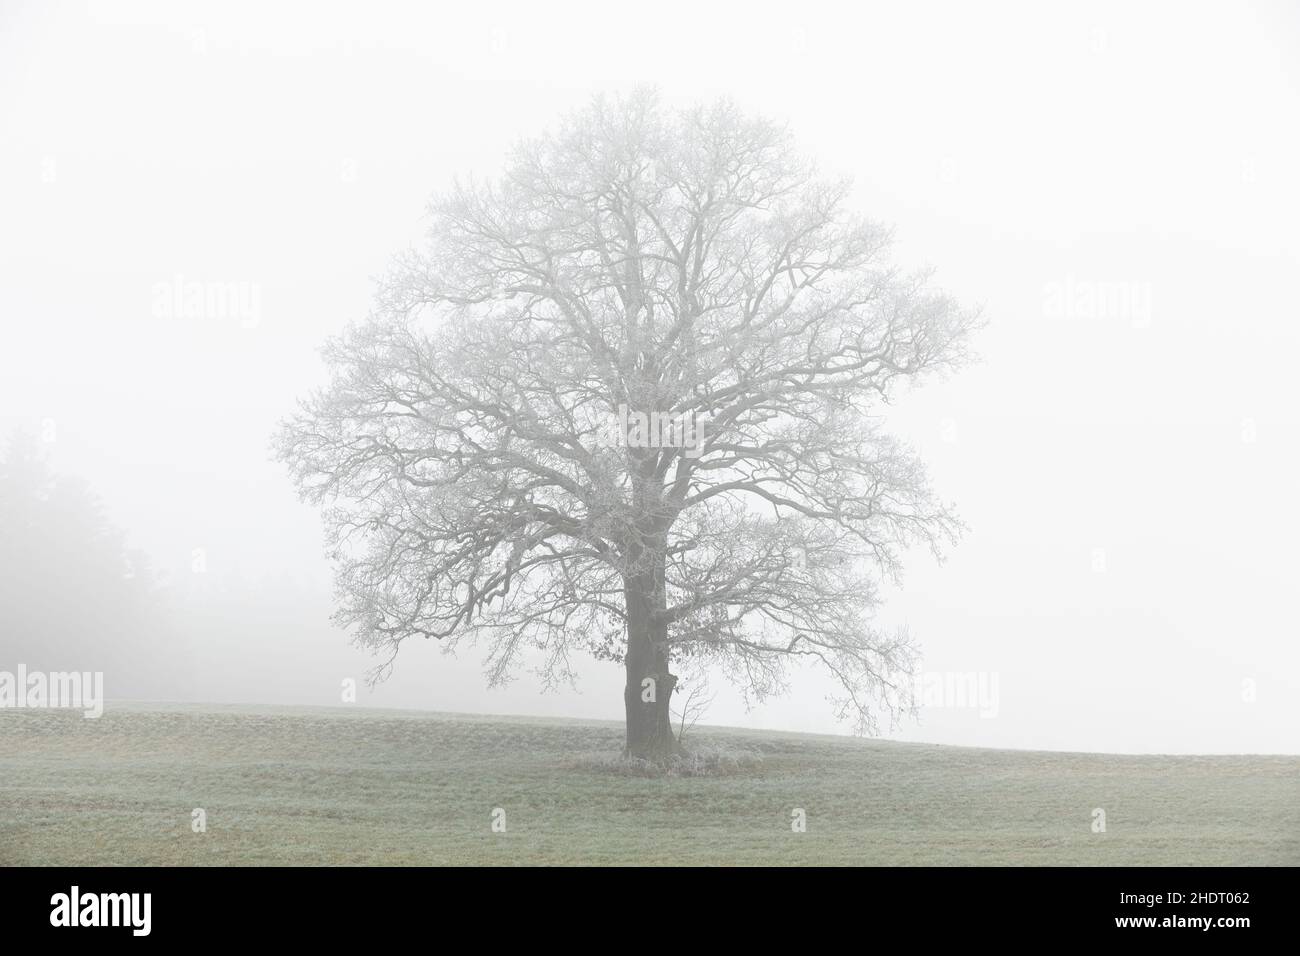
(1115, 186)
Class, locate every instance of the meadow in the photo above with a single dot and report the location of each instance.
(303, 786)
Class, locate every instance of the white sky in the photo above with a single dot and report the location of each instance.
(1021, 150)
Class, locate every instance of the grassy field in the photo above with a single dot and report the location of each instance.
(309, 786)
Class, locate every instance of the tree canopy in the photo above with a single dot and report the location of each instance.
(640, 264)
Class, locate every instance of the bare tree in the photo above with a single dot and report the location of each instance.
(694, 700)
(622, 402)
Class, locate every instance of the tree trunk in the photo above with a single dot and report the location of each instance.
(649, 687)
